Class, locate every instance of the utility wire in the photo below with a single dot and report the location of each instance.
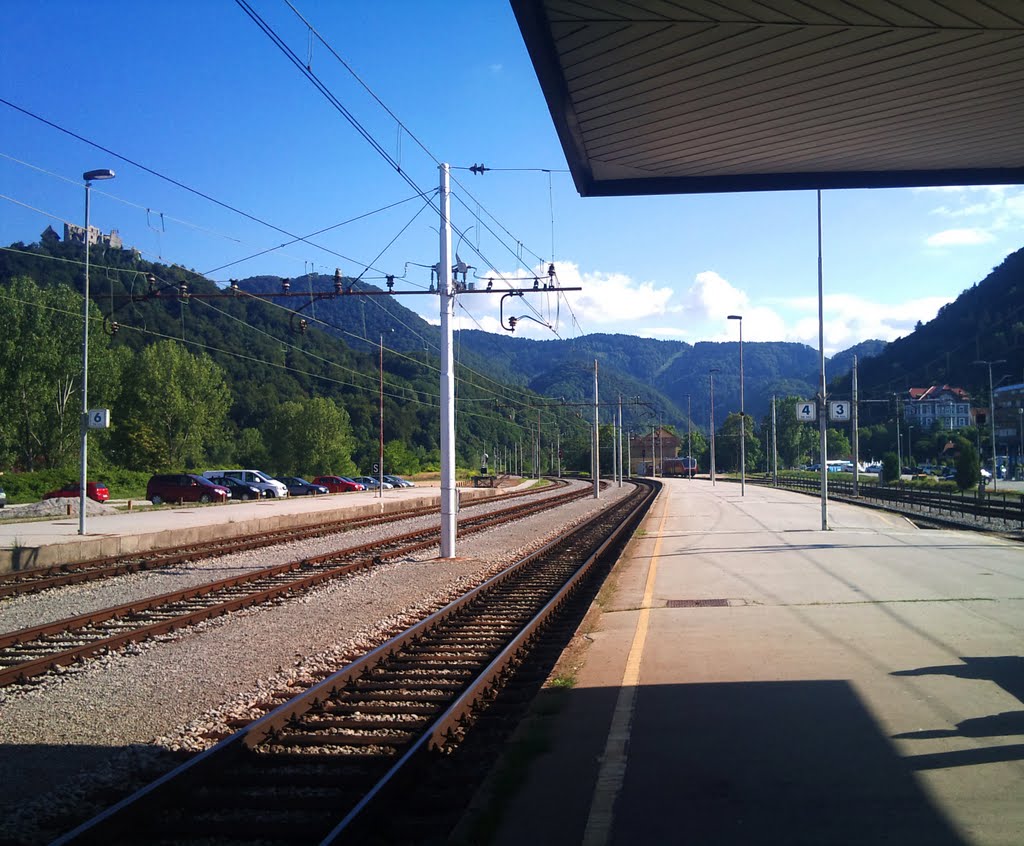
(173, 181)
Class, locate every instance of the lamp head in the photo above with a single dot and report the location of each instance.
(734, 317)
(93, 175)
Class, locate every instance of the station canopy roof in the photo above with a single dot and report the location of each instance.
(686, 96)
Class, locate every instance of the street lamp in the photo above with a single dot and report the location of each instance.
(743, 421)
(992, 415)
(711, 376)
(89, 176)
(1020, 447)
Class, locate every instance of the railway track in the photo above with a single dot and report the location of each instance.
(30, 652)
(345, 759)
(46, 578)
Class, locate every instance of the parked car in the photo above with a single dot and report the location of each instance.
(97, 491)
(399, 482)
(184, 487)
(258, 478)
(370, 483)
(300, 487)
(3, 498)
(338, 484)
(239, 489)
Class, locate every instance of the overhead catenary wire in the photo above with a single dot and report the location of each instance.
(171, 180)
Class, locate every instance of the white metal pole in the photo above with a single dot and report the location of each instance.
(711, 375)
(83, 420)
(854, 416)
(775, 447)
(992, 425)
(447, 295)
(899, 442)
(821, 388)
(380, 466)
(597, 440)
(743, 424)
(689, 447)
(620, 440)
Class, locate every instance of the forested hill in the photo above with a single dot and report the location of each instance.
(275, 351)
(263, 356)
(985, 323)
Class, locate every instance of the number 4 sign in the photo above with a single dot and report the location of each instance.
(839, 410)
(806, 411)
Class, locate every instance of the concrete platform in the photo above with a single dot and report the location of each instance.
(747, 678)
(44, 543)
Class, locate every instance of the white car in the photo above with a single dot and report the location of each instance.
(256, 478)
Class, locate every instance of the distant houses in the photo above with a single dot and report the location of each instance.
(942, 405)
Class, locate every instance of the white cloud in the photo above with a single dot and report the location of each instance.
(713, 298)
(960, 238)
(849, 319)
(993, 207)
(616, 303)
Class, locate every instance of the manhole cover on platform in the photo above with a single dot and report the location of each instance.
(698, 603)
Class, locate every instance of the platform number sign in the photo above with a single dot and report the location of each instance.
(98, 418)
(806, 411)
(839, 410)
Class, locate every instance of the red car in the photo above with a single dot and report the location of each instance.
(338, 484)
(94, 490)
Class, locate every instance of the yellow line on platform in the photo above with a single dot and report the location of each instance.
(613, 762)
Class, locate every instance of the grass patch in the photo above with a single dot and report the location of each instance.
(532, 741)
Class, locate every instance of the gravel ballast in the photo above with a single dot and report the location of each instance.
(119, 719)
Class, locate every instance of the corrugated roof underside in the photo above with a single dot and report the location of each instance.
(667, 90)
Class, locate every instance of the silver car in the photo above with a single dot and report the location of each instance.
(370, 483)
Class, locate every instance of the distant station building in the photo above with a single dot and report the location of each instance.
(76, 235)
(941, 405)
(651, 447)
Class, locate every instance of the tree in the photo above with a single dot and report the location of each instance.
(794, 440)
(968, 465)
(839, 444)
(311, 436)
(890, 468)
(175, 407)
(41, 370)
(399, 460)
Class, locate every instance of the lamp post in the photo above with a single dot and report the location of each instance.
(1020, 446)
(711, 376)
(992, 415)
(689, 448)
(380, 443)
(89, 176)
(743, 421)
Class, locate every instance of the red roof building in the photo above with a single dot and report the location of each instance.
(942, 405)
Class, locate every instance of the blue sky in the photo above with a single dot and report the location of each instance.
(197, 92)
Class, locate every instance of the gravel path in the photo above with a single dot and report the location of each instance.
(116, 720)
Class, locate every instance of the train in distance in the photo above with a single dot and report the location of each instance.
(683, 466)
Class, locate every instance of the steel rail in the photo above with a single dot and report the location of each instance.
(35, 580)
(323, 785)
(904, 501)
(451, 725)
(264, 585)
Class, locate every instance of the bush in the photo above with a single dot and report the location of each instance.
(30, 487)
(890, 468)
